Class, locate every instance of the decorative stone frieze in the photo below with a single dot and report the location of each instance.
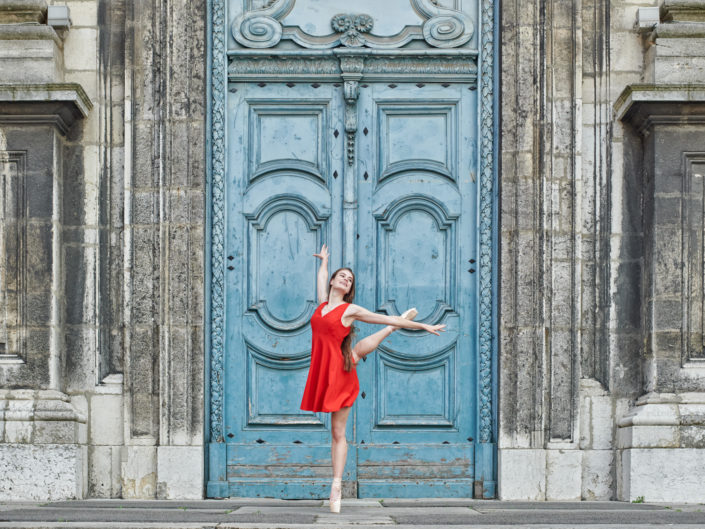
(439, 26)
(442, 66)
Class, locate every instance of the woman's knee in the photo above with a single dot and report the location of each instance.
(338, 433)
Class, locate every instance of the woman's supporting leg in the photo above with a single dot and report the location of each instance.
(339, 452)
(339, 446)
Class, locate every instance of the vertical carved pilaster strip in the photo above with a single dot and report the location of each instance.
(143, 179)
(351, 72)
(522, 412)
(486, 216)
(112, 16)
(217, 116)
(595, 199)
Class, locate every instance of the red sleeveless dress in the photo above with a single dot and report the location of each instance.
(329, 387)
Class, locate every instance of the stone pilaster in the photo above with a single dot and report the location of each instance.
(164, 241)
(668, 423)
(660, 448)
(40, 425)
(541, 246)
(49, 159)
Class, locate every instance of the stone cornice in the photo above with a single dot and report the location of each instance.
(683, 10)
(646, 104)
(683, 30)
(60, 104)
(22, 11)
(29, 32)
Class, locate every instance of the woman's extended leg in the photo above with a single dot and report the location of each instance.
(371, 342)
(339, 452)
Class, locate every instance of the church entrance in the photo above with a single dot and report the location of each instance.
(351, 151)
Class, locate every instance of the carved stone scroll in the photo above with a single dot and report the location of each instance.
(445, 28)
(261, 28)
(440, 27)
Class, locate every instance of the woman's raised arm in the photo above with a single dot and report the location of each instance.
(322, 282)
(359, 313)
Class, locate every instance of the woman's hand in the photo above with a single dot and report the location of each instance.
(322, 276)
(323, 255)
(435, 329)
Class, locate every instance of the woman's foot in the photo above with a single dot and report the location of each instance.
(409, 314)
(336, 493)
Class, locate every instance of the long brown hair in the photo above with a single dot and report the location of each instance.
(346, 346)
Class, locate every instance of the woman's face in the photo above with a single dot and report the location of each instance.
(343, 280)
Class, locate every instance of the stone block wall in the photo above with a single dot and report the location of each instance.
(592, 254)
(111, 223)
(164, 245)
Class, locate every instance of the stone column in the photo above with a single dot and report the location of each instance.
(661, 440)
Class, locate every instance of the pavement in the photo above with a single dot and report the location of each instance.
(260, 513)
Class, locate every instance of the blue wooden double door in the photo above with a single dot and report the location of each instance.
(396, 201)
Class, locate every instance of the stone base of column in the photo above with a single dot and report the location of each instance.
(43, 447)
(661, 449)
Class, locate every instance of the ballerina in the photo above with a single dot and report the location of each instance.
(332, 385)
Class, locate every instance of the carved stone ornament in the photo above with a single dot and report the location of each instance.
(452, 66)
(351, 72)
(441, 28)
(352, 27)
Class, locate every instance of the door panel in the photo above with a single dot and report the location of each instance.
(283, 203)
(411, 430)
(416, 423)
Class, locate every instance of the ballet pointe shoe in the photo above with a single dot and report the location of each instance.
(410, 314)
(336, 493)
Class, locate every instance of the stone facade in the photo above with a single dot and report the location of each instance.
(601, 135)
(600, 322)
(103, 124)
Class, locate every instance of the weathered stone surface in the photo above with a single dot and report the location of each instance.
(41, 472)
(139, 472)
(522, 474)
(106, 427)
(598, 475)
(104, 471)
(563, 475)
(662, 474)
(180, 472)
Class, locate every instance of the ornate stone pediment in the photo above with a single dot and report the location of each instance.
(321, 25)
